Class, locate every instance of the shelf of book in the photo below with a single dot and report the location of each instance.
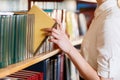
(29, 62)
(29, 2)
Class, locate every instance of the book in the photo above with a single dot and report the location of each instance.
(42, 20)
(69, 26)
(14, 37)
(0, 44)
(82, 23)
(26, 75)
(67, 69)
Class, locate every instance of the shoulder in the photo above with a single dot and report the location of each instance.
(112, 20)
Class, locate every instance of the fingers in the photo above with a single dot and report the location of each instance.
(56, 36)
(47, 29)
(55, 31)
(53, 40)
(52, 32)
(58, 27)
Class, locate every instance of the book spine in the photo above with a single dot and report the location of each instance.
(27, 75)
(0, 42)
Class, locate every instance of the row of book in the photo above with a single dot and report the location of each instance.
(13, 5)
(52, 68)
(56, 4)
(58, 67)
(71, 71)
(14, 38)
(25, 75)
(18, 40)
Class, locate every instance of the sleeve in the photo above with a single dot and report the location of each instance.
(106, 48)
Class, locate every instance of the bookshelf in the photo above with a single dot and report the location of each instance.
(26, 63)
(31, 61)
(87, 8)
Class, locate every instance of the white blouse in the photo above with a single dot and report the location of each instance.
(101, 44)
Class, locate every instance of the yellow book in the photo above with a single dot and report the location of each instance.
(69, 27)
(42, 20)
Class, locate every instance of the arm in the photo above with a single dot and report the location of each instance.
(83, 67)
(87, 72)
(60, 38)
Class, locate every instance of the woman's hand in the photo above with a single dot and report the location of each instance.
(60, 38)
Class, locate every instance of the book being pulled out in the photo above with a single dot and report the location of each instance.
(42, 20)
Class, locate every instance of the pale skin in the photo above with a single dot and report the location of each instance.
(61, 39)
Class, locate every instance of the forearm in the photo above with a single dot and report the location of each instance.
(87, 72)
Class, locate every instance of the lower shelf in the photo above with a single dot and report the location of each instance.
(21, 65)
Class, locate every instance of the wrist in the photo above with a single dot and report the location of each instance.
(71, 50)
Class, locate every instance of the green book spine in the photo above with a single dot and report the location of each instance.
(11, 38)
(0, 41)
(8, 40)
(5, 46)
(24, 36)
(16, 44)
(20, 32)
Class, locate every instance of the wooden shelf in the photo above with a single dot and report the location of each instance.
(77, 41)
(26, 63)
(23, 64)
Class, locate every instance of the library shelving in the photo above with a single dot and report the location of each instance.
(26, 63)
(10, 69)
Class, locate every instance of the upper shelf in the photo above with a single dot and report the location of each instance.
(26, 63)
